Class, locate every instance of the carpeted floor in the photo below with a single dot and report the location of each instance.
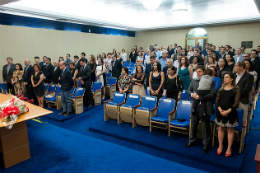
(66, 139)
(54, 149)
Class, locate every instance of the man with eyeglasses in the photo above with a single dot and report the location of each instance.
(246, 56)
(238, 57)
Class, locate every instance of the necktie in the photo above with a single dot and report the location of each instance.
(82, 68)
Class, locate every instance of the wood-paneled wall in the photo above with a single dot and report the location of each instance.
(22, 43)
(218, 35)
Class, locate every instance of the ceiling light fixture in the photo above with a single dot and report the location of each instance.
(151, 5)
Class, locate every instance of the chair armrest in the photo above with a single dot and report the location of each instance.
(190, 117)
(153, 109)
(136, 106)
(113, 84)
(78, 96)
(120, 104)
(51, 92)
(98, 90)
(58, 93)
(171, 112)
(244, 123)
(108, 101)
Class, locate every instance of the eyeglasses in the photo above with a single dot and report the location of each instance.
(245, 56)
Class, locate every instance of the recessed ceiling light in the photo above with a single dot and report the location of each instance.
(151, 5)
(182, 10)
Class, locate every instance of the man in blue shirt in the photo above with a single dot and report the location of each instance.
(198, 46)
(68, 60)
(158, 53)
(205, 51)
(163, 60)
(219, 49)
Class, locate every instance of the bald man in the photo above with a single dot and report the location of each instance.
(28, 70)
(168, 64)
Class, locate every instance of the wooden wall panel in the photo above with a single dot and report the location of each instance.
(22, 43)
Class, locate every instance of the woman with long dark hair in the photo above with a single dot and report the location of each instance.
(93, 65)
(156, 80)
(222, 68)
(17, 79)
(186, 72)
(226, 118)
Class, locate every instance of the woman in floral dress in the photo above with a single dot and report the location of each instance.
(17, 79)
(124, 81)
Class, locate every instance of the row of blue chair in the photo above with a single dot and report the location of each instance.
(165, 116)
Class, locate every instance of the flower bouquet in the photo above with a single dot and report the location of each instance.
(10, 110)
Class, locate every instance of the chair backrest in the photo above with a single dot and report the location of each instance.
(133, 99)
(240, 113)
(79, 83)
(58, 90)
(183, 110)
(46, 86)
(130, 72)
(108, 75)
(111, 81)
(72, 90)
(119, 97)
(184, 95)
(96, 86)
(165, 106)
(149, 102)
(79, 92)
(52, 88)
(129, 68)
(213, 117)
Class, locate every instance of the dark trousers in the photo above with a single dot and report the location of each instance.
(29, 91)
(88, 96)
(203, 102)
(205, 124)
(10, 87)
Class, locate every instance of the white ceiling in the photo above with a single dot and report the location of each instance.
(131, 14)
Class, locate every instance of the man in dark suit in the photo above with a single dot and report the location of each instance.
(149, 69)
(77, 63)
(116, 67)
(83, 55)
(56, 73)
(227, 47)
(245, 82)
(256, 64)
(48, 71)
(43, 63)
(199, 115)
(223, 53)
(28, 71)
(168, 64)
(85, 78)
(66, 83)
(7, 73)
(170, 51)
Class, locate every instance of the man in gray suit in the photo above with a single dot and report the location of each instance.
(7, 73)
(238, 57)
(199, 115)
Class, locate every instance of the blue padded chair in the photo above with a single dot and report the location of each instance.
(51, 90)
(147, 110)
(130, 72)
(111, 87)
(181, 122)
(184, 95)
(53, 100)
(108, 75)
(46, 87)
(96, 90)
(111, 107)
(77, 100)
(127, 111)
(239, 131)
(165, 112)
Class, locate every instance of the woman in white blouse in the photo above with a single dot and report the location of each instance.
(123, 55)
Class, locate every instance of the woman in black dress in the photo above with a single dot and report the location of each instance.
(172, 84)
(37, 83)
(156, 80)
(226, 103)
(93, 65)
(230, 62)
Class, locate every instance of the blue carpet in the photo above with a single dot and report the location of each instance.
(62, 118)
(174, 144)
(55, 149)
